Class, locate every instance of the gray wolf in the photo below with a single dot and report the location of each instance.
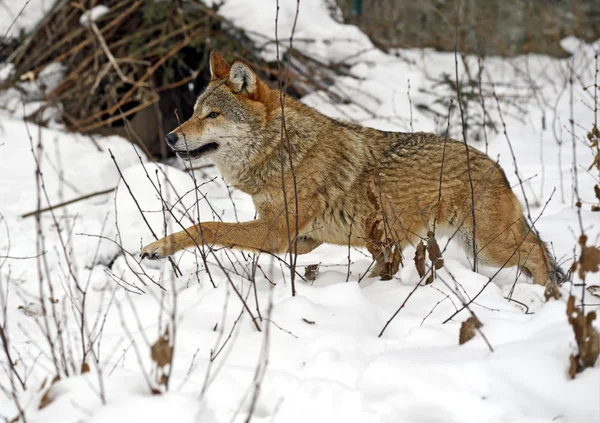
(327, 181)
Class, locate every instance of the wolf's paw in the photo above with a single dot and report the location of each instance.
(157, 250)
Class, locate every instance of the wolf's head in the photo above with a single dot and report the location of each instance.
(228, 116)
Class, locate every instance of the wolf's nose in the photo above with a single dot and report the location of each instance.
(171, 139)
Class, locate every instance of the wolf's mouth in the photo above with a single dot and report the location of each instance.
(198, 152)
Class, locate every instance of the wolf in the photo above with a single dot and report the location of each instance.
(315, 180)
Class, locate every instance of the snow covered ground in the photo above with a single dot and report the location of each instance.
(317, 356)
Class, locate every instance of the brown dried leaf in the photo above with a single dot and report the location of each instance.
(587, 337)
(595, 162)
(434, 252)
(420, 259)
(311, 272)
(589, 354)
(570, 307)
(47, 398)
(552, 291)
(468, 329)
(85, 368)
(393, 262)
(573, 267)
(162, 352)
(384, 249)
(589, 260)
(597, 191)
(573, 366)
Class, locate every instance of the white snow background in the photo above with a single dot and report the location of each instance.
(318, 356)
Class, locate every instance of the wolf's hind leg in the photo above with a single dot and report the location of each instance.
(504, 239)
(518, 246)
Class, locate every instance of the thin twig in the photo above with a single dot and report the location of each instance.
(66, 203)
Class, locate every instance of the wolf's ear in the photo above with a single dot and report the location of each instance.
(243, 79)
(218, 65)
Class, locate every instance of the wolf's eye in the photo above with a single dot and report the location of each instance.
(213, 115)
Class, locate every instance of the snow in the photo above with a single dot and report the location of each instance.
(316, 33)
(94, 14)
(20, 15)
(324, 359)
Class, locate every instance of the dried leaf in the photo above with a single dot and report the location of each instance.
(595, 162)
(597, 191)
(573, 267)
(594, 290)
(164, 380)
(434, 252)
(420, 259)
(552, 291)
(32, 309)
(570, 307)
(381, 247)
(47, 398)
(53, 300)
(310, 322)
(587, 337)
(311, 272)
(85, 367)
(573, 366)
(589, 261)
(162, 352)
(468, 329)
(393, 261)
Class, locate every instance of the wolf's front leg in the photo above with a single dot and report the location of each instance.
(169, 245)
(257, 235)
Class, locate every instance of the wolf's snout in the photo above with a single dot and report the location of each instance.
(171, 139)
